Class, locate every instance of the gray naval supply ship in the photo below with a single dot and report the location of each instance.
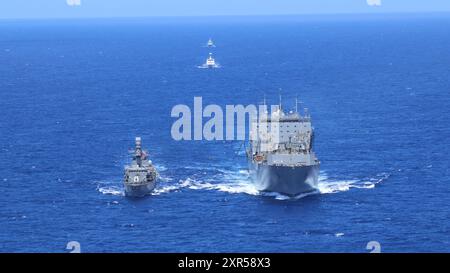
(140, 177)
(280, 153)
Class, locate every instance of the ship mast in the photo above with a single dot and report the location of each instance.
(297, 102)
(138, 152)
(280, 102)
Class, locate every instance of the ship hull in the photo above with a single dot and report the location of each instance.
(139, 190)
(286, 180)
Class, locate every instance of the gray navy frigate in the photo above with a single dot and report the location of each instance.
(280, 153)
(140, 177)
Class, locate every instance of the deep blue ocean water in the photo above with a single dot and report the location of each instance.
(75, 93)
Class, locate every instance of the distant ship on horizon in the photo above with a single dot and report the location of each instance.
(210, 43)
(210, 62)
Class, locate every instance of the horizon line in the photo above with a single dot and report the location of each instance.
(231, 15)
